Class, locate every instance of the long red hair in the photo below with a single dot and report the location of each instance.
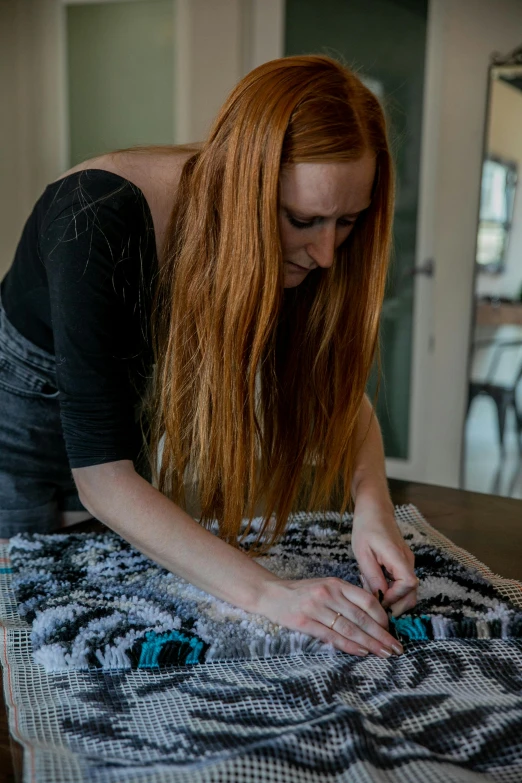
(253, 382)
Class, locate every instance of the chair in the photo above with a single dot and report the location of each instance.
(502, 390)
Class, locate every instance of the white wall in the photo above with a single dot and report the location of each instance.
(31, 127)
(209, 60)
(468, 32)
(218, 42)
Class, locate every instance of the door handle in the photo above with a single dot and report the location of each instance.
(428, 269)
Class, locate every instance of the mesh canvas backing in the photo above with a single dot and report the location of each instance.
(509, 588)
(446, 710)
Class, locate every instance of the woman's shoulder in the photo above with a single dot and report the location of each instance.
(92, 181)
(153, 170)
(89, 199)
(150, 172)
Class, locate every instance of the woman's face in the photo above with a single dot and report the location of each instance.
(319, 204)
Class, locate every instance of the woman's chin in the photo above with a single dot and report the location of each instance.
(290, 283)
(294, 275)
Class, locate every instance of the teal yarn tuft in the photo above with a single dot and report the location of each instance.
(412, 628)
(173, 647)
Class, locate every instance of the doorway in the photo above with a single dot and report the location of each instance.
(385, 42)
(493, 428)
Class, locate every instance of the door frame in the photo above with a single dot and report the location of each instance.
(414, 468)
(249, 32)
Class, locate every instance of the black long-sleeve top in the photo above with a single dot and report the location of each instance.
(80, 287)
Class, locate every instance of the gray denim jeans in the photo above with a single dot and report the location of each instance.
(36, 482)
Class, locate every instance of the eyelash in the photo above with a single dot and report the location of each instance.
(310, 223)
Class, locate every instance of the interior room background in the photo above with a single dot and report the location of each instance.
(493, 428)
(81, 77)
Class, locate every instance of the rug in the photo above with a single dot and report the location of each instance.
(447, 710)
(96, 602)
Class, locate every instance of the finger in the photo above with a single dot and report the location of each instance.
(364, 583)
(398, 562)
(366, 586)
(406, 603)
(399, 589)
(354, 623)
(365, 601)
(320, 631)
(383, 644)
(371, 573)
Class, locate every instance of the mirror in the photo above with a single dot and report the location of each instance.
(492, 459)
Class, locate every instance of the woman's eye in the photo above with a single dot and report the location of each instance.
(299, 223)
(309, 223)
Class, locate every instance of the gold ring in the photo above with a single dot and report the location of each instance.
(335, 620)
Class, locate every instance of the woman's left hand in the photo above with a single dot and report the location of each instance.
(377, 543)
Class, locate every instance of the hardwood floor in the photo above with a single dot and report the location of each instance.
(485, 469)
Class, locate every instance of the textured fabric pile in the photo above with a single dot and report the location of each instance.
(94, 601)
(449, 709)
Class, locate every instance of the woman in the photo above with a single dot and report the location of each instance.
(230, 296)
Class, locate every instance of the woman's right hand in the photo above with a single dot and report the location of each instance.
(310, 606)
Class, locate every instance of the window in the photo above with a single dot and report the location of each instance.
(499, 179)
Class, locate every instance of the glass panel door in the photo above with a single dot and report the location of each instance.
(120, 75)
(385, 41)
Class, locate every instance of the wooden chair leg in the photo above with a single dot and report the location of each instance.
(502, 403)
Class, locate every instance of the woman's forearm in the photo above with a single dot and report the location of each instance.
(120, 498)
(369, 483)
(376, 539)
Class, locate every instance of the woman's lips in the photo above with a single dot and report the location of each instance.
(296, 266)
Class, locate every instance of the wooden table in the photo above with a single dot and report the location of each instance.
(488, 526)
(499, 314)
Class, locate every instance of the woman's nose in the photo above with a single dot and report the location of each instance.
(322, 248)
